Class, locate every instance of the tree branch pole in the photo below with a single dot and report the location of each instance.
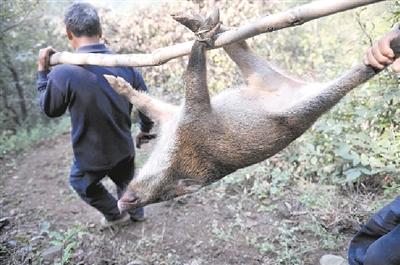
(293, 17)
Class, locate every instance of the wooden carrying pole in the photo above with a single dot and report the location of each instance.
(290, 18)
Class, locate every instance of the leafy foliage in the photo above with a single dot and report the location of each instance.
(25, 27)
(69, 240)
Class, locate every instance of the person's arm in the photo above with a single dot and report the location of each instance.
(52, 100)
(145, 123)
(381, 55)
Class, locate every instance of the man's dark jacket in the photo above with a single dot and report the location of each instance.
(101, 123)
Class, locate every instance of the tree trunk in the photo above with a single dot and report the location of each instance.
(19, 88)
(293, 17)
(10, 111)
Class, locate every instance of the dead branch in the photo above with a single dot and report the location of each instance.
(293, 17)
(20, 90)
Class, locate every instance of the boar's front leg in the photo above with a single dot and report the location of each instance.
(153, 108)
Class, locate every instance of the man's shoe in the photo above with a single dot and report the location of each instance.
(138, 215)
(123, 220)
(332, 260)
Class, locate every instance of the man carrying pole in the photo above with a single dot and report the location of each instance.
(101, 124)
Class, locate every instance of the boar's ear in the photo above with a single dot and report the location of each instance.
(186, 186)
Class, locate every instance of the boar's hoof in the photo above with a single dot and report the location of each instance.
(204, 30)
(209, 28)
(119, 85)
(191, 21)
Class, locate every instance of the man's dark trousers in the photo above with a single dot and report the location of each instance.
(88, 186)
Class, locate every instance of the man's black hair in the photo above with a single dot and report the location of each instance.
(82, 20)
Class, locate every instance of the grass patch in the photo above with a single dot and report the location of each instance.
(28, 136)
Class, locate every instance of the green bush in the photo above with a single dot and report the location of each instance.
(27, 136)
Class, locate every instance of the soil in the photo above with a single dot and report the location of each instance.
(217, 225)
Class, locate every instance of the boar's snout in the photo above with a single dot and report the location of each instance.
(128, 201)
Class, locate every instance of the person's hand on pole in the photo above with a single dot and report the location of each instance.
(380, 54)
(44, 58)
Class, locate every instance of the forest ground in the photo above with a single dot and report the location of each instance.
(235, 221)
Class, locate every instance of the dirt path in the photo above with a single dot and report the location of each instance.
(218, 225)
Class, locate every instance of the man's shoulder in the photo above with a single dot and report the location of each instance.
(65, 68)
(136, 71)
(137, 74)
(64, 72)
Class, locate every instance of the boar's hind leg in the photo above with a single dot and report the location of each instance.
(155, 109)
(257, 72)
(197, 98)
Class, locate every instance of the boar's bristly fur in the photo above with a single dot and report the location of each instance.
(205, 139)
